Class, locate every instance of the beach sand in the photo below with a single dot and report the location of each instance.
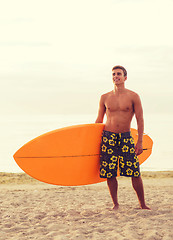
(34, 210)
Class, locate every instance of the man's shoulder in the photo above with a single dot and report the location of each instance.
(132, 93)
(105, 95)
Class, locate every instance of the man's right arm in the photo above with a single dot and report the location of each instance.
(102, 111)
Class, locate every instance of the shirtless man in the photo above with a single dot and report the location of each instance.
(117, 147)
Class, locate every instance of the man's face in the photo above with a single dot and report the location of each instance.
(118, 76)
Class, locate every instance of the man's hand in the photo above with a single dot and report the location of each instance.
(138, 148)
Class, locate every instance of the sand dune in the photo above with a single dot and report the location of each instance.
(34, 210)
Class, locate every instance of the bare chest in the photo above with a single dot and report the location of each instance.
(119, 103)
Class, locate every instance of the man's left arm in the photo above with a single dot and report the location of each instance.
(140, 123)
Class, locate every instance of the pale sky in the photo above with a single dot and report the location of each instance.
(56, 56)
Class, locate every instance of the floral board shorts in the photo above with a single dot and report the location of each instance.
(117, 152)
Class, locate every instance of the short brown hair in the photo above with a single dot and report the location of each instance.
(122, 68)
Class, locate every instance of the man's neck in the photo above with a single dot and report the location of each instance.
(119, 88)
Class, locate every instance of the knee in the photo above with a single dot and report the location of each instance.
(111, 180)
(136, 181)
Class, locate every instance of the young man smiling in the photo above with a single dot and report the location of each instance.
(117, 146)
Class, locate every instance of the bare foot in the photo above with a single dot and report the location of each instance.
(145, 207)
(115, 207)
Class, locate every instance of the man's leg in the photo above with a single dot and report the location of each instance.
(138, 187)
(113, 189)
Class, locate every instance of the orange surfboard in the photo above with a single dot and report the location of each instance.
(68, 156)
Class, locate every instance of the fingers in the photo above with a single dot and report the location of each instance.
(139, 152)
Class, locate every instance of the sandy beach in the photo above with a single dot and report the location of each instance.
(34, 210)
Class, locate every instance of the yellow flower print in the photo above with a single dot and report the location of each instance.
(126, 140)
(114, 159)
(136, 158)
(112, 165)
(129, 164)
(105, 139)
(129, 171)
(136, 174)
(102, 172)
(104, 164)
(113, 136)
(131, 141)
(104, 148)
(132, 150)
(109, 175)
(135, 164)
(125, 148)
(111, 142)
(122, 164)
(121, 158)
(110, 151)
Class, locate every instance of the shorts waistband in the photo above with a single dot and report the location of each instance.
(124, 134)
